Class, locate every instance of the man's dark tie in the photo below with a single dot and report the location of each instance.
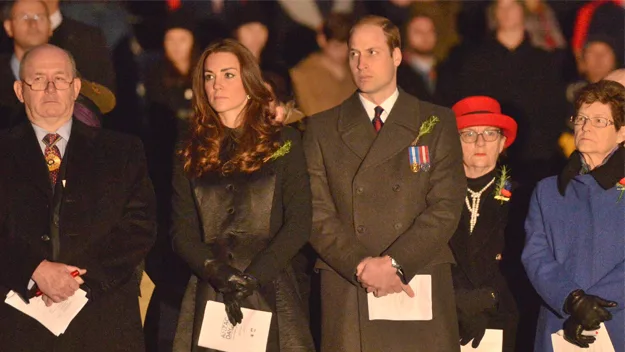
(377, 120)
(53, 156)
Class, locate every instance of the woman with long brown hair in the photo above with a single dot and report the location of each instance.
(241, 203)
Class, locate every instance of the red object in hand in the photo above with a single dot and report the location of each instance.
(73, 273)
(506, 193)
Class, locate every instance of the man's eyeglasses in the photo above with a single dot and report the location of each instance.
(40, 84)
(599, 122)
(27, 17)
(470, 136)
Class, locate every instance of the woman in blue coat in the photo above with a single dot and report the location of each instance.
(575, 249)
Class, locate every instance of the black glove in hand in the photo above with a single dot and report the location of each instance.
(232, 300)
(573, 333)
(473, 328)
(223, 277)
(233, 307)
(588, 310)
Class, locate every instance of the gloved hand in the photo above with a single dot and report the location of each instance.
(223, 277)
(588, 310)
(232, 300)
(473, 328)
(472, 302)
(573, 333)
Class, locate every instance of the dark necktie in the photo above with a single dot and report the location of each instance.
(53, 156)
(377, 120)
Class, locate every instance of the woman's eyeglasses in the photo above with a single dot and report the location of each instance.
(599, 122)
(470, 136)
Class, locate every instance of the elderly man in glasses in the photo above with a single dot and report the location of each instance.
(77, 213)
(575, 249)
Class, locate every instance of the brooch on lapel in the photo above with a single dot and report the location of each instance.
(282, 151)
(503, 189)
(620, 186)
(419, 156)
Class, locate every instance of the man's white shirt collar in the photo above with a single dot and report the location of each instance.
(56, 19)
(387, 105)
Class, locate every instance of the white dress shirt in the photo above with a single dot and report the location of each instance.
(387, 105)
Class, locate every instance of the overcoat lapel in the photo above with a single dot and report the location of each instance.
(29, 159)
(400, 129)
(355, 127)
(80, 173)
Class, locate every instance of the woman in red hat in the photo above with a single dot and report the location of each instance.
(484, 298)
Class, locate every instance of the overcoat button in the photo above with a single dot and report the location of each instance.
(45, 238)
(397, 226)
(359, 190)
(230, 187)
(360, 229)
(396, 188)
(230, 210)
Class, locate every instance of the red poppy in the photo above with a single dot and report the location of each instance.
(622, 181)
(506, 193)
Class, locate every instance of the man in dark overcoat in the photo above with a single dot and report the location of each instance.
(74, 198)
(379, 215)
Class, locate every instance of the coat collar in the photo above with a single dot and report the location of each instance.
(606, 175)
(400, 129)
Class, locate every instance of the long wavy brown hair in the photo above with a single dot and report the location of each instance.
(260, 134)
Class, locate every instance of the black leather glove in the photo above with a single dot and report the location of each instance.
(588, 310)
(472, 302)
(232, 300)
(573, 333)
(473, 328)
(223, 277)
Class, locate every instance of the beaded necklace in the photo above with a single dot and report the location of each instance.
(474, 206)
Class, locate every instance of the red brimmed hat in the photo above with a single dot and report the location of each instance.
(484, 111)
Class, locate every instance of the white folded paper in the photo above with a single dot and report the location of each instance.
(55, 318)
(491, 342)
(603, 343)
(249, 336)
(398, 306)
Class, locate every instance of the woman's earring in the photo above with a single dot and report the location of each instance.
(248, 97)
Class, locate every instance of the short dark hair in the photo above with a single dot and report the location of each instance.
(605, 92)
(391, 32)
(337, 27)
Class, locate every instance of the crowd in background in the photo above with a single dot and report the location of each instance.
(137, 57)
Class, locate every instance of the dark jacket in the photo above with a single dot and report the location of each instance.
(256, 223)
(368, 202)
(105, 224)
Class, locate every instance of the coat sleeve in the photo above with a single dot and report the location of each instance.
(611, 287)
(297, 215)
(337, 245)
(431, 231)
(186, 230)
(134, 233)
(550, 279)
(16, 254)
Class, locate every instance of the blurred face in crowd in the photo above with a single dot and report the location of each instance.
(335, 50)
(599, 60)
(421, 36)
(253, 36)
(29, 24)
(372, 64)
(178, 44)
(224, 86)
(481, 146)
(51, 67)
(597, 142)
(509, 15)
